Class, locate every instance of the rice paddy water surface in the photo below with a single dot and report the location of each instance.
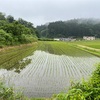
(53, 66)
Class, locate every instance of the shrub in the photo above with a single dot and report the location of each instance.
(5, 38)
(83, 91)
(7, 93)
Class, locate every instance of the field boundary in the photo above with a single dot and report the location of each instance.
(90, 48)
(16, 46)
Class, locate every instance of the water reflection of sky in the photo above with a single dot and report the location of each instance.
(48, 73)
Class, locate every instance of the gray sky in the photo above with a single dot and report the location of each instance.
(42, 11)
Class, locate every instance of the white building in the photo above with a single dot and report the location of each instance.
(64, 39)
(89, 37)
(56, 39)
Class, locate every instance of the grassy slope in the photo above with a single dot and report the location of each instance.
(94, 44)
(62, 48)
(92, 47)
(11, 56)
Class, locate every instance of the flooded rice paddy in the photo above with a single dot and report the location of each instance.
(49, 74)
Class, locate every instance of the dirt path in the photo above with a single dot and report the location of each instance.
(90, 48)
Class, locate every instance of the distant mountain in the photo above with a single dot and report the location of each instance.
(75, 27)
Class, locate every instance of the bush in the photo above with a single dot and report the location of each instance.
(5, 38)
(9, 94)
(84, 91)
(26, 38)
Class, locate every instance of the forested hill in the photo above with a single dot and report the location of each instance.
(76, 28)
(14, 32)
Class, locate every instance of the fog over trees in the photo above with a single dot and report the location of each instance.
(75, 27)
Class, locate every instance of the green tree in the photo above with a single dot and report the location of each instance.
(10, 18)
(5, 38)
(2, 16)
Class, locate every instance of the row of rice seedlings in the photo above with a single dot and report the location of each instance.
(41, 66)
(48, 74)
(53, 65)
(74, 65)
(34, 60)
(85, 69)
(57, 51)
(70, 65)
(9, 50)
(37, 65)
(13, 60)
(93, 44)
(68, 49)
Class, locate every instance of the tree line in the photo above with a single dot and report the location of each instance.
(13, 32)
(71, 28)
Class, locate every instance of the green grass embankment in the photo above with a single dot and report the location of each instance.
(12, 55)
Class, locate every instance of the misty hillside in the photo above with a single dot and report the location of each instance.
(75, 27)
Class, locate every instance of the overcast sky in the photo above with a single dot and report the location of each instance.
(42, 11)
